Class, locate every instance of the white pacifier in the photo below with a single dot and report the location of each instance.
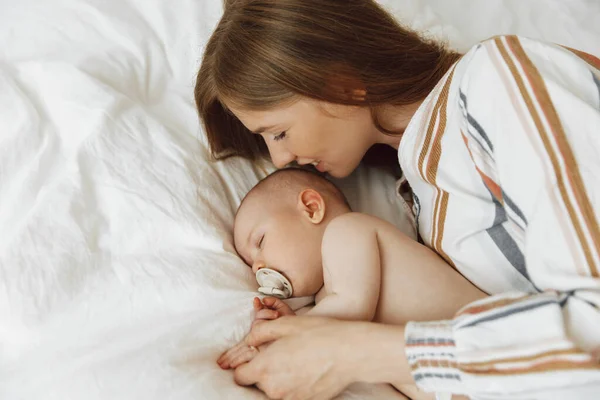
(273, 283)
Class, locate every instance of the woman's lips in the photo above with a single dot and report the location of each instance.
(320, 167)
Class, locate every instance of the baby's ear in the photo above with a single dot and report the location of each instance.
(312, 205)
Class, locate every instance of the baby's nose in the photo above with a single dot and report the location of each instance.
(257, 265)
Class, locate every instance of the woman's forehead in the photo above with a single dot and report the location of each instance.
(254, 119)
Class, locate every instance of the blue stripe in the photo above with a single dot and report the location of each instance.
(509, 248)
(480, 130)
(597, 82)
(508, 201)
(417, 215)
(509, 312)
(430, 354)
(504, 241)
(430, 340)
(420, 376)
(475, 138)
(564, 298)
(473, 122)
(573, 293)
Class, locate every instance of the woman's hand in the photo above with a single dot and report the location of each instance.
(316, 358)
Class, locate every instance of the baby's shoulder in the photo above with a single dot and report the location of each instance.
(351, 224)
(353, 219)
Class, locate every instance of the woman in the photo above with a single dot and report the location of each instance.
(500, 147)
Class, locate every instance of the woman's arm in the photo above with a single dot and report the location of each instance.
(532, 128)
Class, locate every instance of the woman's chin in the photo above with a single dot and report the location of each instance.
(341, 172)
(334, 174)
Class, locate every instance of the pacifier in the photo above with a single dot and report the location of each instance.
(273, 283)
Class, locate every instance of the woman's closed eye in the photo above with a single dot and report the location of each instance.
(280, 136)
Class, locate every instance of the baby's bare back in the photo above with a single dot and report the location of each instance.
(416, 284)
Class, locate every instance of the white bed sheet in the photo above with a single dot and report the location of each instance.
(117, 274)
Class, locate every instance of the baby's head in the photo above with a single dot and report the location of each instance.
(280, 225)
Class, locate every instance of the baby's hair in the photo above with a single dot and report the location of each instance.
(291, 181)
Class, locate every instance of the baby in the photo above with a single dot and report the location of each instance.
(297, 227)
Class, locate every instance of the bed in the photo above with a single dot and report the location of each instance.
(118, 278)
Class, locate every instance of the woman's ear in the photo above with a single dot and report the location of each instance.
(357, 94)
(312, 205)
(346, 82)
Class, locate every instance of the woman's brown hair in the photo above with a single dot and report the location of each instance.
(263, 53)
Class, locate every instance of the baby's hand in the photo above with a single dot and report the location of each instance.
(270, 308)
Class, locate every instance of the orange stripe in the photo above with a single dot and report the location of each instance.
(479, 308)
(434, 228)
(543, 98)
(491, 185)
(436, 150)
(587, 57)
(513, 92)
(442, 225)
(549, 366)
(441, 200)
(428, 137)
(428, 345)
(429, 134)
(427, 363)
(551, 353)
(572, 171)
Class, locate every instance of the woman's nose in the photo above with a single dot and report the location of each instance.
(257, 265)
(281, 157)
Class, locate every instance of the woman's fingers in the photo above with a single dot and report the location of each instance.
(307, 362)
(267, 331)
(325, 392)
(246, 375)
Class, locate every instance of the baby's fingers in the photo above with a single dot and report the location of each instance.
(266, 314)
(277, 304)
(257, 304)
(224, 360)
(247, 354)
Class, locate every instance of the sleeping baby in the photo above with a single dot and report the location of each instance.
(299, 235)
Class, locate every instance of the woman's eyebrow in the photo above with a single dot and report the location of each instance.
(262, 129)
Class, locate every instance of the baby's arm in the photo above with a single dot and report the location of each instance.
(352, 275)
(351, 269)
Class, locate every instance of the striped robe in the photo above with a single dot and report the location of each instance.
(504, 161)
